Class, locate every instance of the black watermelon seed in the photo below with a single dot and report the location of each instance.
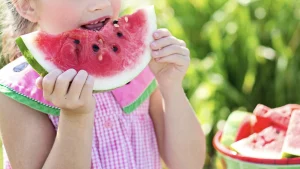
(95, 48)
(119, 34)
(128, 83)
(115, 22)
(115, 49)
(76, 41)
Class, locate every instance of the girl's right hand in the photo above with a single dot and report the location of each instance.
(69, 90)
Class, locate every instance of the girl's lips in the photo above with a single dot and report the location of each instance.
(96, 24)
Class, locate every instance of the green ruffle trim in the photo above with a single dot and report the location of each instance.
(55, 111)
(130, 108)
(29, 101)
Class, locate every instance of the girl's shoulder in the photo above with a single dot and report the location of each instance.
(17, 81)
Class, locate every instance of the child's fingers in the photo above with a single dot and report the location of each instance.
(63, 83)
(176, 59)
(160, 33)
(87, 88)
(169, 50)
(48, 83)
(77, 85)
(166, 41)
(38, 82)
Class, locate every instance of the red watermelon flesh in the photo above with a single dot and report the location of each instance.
(291, 146)
(232, 128)
(279, 116)
(261, 122)
(246, 128)
(266, 144)
(250, 125)
(114, 55)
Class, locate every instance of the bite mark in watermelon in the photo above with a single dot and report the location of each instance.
(113, 56)
(266, 144)
(291, 146)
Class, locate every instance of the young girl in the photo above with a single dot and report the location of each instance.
(93, 130)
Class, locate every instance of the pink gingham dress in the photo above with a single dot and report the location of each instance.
(120, 140)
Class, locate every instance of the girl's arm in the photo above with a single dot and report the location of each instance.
(180, 138)
(30, 142)
(29, 136)
(73, 144)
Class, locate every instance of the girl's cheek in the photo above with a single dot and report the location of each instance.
(58, 16)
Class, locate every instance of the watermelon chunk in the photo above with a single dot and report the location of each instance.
(266, 144)
(291, 146)
(262, 121)
(237, 126)
(113, 55)
(279, 116)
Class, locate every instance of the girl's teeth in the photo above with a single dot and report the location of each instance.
(94, 23)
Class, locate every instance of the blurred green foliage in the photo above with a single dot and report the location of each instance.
(244, 52)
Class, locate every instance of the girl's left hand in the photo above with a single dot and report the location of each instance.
(171, 59)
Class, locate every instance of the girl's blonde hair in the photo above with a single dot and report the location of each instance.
(12, 26)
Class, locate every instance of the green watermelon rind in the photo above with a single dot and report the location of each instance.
(30, 58)
(288, 155)
(103, 83)
(231, 127)
(34, 63)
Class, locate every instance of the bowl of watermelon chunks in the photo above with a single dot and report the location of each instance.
(268, 138)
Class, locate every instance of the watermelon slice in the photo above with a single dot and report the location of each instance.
(113, 55)
(279, 116)
(266, 145)
(291, 146)
(261, 122)
(237, 126)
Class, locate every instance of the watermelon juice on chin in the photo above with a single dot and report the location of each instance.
(113, 55)
(271, 136)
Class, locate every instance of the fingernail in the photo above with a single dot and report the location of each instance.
(155, 53)
(156, 35)
(82, 71)
(73, 70)
(153, 44)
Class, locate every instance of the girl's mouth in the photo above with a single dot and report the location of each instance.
(96, 25)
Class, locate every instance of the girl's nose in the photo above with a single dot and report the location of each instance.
(99, 5)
